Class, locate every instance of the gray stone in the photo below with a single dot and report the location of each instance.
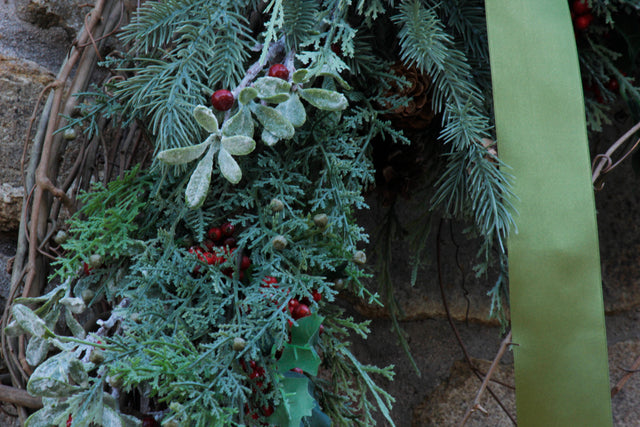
(449, 402)
(21, 82)
(21, 39)
(67, 14)
(10, 206)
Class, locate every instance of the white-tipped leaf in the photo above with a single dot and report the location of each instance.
(300, 76)
(293, 110)
(229, 167)
(178, 156)
(238, 145)
(272, 87)
(247, 95)
(324, 99)
(198, 185)
(273, 121)
(269, 138)
(240, 123)
(205, 118)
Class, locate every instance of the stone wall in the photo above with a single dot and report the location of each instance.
(36, 35)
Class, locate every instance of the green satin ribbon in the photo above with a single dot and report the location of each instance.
(556, 303)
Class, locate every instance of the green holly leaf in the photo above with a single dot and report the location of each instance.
(319, 418)
(304, 357)
(306, 329)
(293, 110)
(301, 76)
(324, 99)
(240, 123)
(229, 167)
(247, 95)
(238, 145)
(51, 378)
(30, 322)
(299, 352)
(272, 89)
(198, 185)
(178, 156)
(269, 138)
(296, 403)
(273, 121)
(205, 117)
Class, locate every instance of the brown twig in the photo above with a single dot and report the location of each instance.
(475, 406)
(455, 329)
(632, 370)
(605, 164)
(19, 397)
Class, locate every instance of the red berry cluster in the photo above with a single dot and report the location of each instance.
(298, 308)
(220, 246)
(581, 14)
(257, 377)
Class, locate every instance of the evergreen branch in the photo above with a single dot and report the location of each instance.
(472, 184)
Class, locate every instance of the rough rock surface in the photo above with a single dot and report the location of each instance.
(448, 403)
(21, 39)
(66, 14)
(21, 82)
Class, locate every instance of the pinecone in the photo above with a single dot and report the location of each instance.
(417, 114)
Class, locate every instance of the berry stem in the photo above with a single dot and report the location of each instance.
(255, 68)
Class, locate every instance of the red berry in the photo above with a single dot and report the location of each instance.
(613, 85)
(199, 252)
(267, 410)
(293, 303)
(301, 310)
(269, 280)
(222, 100)
(280, 71)
(298, 370)
(245, 263)
(317, 296)
(86, 269)
(228, 229)
(211, 258)
(69, 420)
(321, 330)
(214, 233)
(305, 301)
(230, 242)
(580, 7)
(583, 22)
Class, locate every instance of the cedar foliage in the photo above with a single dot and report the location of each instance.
(203, 343)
